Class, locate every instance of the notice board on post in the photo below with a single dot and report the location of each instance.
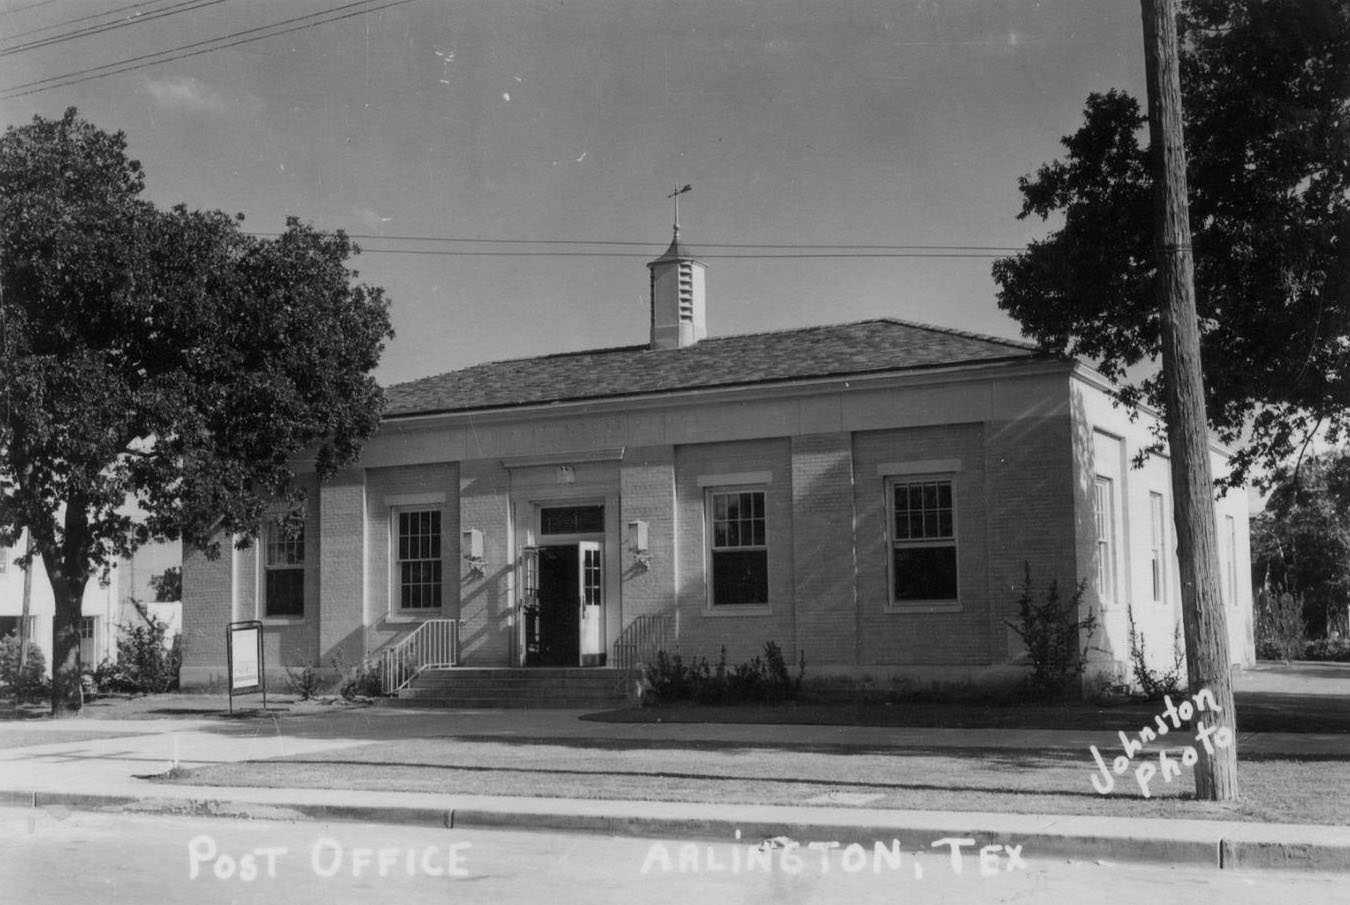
(244, 653)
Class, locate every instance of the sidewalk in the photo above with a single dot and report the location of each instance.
(95, 764)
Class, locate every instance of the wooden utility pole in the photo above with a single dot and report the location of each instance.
(1207, 664)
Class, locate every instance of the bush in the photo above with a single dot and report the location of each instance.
(1152, 684)
(1051, 631)
(361, 681)
(30, 684)
(763, 680)
(1280, 629)
(305, 682)
(144, 665)
(1328, 649)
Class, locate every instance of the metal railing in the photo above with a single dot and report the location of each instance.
(433, 644)
(638, 644)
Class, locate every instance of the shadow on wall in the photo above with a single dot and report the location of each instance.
(1105, 664)
(485, 623)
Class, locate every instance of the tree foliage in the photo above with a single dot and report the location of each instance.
(1267, 127)
(1301, 542)
(161, 357)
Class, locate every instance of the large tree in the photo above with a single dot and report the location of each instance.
(161, 372)
(1266, 92)
(1301, 542)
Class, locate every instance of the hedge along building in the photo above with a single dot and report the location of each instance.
(866, 495)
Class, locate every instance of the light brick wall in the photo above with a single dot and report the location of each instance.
(823, 555)
(647, 492)
(434, 486)
(207, 585)
(341, 548)
(907, 643)
(1029, 504)
(703, 629)
(486, 602)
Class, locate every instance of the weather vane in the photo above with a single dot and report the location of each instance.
(676, 195)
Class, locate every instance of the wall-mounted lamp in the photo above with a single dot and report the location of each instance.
(473, 552)
(637, 544)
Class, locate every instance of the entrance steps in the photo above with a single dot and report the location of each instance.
(598, 687)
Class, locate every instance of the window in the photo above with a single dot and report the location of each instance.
(418, 565)
(1157, 519)
(1105, 515)
(5, 554)
(923, 541)
(87, 627)
(739, 552)
(572, 520)
(284, 589)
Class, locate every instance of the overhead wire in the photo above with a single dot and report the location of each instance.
(797, 249)
(721, 255)
(198, 48)
(184, 6)
(19, 9)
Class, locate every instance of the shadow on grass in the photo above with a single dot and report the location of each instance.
(191, 776)
(1256, 712)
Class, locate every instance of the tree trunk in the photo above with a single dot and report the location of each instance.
(66, 666)
(1207, 662)
(68, 570)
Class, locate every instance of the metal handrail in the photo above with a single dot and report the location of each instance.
(638, 645)
(433, 644)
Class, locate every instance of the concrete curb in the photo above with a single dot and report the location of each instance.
(1244, 846)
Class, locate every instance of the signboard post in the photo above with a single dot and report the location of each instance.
(244, 653)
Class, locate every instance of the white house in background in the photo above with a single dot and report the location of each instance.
(863, 494)
(107, 603)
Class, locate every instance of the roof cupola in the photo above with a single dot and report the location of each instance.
(679, 292)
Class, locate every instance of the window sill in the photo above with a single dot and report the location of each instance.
(738, 609)
(923, 607)
(408, 616)
(283, 620)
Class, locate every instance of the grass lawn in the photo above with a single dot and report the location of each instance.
(1256, 712)
(1043, 782)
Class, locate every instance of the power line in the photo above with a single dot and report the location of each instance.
(85, 18)
(187, 50)
(697, 245)
(630, 254)
(795, 246)
(19, 9)
(91, 30)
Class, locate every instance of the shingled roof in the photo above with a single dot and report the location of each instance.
(865, 347)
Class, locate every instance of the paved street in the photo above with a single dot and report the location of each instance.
(59, 856)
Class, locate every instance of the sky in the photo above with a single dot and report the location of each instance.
(559, 128)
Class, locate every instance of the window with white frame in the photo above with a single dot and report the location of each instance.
(418, 564)
(738, 551)
(923, 540)
(284, 571)
(87, 627)
(1157, 520)
(5, 554)
(1104, 511)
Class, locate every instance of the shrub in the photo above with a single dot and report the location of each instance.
(1280, 629)
(1328, 649)
(762, 680)
(1153, 684)
(30, 683)
(306, 682)
(144, 664)
(361, 681)
(1051, 631)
